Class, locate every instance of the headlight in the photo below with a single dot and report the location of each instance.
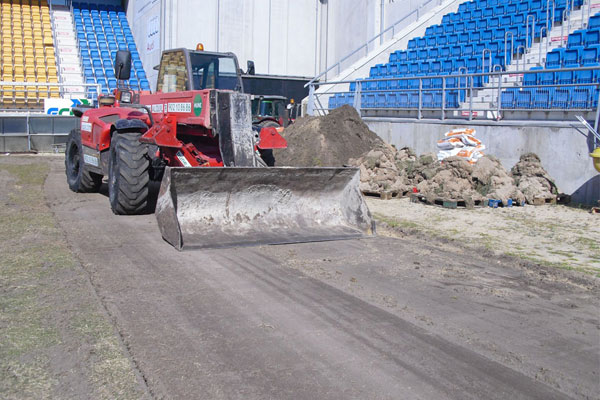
(125, 97)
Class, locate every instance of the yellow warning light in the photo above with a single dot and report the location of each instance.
(199, 47)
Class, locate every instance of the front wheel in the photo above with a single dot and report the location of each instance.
(128, 174)
(79, 177)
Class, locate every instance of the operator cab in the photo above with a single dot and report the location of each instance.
(182, 70)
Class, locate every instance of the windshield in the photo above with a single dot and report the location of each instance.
(268, 108)
(210, 71)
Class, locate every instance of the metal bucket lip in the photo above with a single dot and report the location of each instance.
(229, 215)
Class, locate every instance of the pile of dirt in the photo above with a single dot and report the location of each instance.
(342, 138)
(493, 181)
(384, 168)
(532, 179)
(328, 141)
(452, 180)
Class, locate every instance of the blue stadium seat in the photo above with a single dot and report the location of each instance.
(546, 77)
(594, 22)
(541, 98)
(413, 100)
(564, 77)
(508, 98)
(524, 98)
(560, 98)
(531, 79)
(586, 76)
(576, 38)
(554, 58)
(580, 97)
(592, 37)
(571, 56)
(590, 55)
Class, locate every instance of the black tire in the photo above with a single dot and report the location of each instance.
(267, 154)
(79, 177)
(128, 174)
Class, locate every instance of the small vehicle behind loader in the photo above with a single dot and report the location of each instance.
(195, 134)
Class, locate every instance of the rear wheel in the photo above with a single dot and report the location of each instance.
(79, 177)
(128, 174)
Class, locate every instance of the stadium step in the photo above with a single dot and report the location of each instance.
(69, 62)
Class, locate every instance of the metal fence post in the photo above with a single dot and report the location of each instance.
(470, 98)
(443, 98)
(419, 114)
(357, 96)
(310, 107)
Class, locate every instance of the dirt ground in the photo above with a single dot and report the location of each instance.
(555, 235)
(406, 314)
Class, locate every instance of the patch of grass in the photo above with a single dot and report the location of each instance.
(41, 288)
(398, 223)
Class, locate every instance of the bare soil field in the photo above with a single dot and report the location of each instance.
(408, 314)
(555, 235)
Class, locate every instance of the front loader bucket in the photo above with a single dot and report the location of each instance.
(239, 206)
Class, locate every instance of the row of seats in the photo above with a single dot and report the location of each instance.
(405, 100)
(101, 31)
(27, 53)
(583, 50)
(529, 5)
(574, 97)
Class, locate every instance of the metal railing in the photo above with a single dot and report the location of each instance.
(34, 132)
(369, 44)
(484, 95)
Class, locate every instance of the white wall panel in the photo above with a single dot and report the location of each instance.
(278, 35)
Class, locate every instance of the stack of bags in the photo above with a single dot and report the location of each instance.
(460, 143)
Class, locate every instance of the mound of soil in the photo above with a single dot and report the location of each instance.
(328, 141)
(492, 181)
(452, 180)
(385, 169)
(532, 179)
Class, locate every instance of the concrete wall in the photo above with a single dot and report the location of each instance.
(564, 151)
(295, 37)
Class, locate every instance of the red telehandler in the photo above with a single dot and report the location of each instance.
(196, 135)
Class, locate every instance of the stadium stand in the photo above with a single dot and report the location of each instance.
(481, 37)
(27, 54)
(102, 30)
(582, 50)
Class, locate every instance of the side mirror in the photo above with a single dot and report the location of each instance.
(250, 70)
(123, 65)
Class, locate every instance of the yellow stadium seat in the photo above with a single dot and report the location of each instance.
(19, 102)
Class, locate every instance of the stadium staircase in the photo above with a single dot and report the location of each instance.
(27, 54)
(472, 40)
(69, 62)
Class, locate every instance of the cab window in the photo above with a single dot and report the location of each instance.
(173, 74)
